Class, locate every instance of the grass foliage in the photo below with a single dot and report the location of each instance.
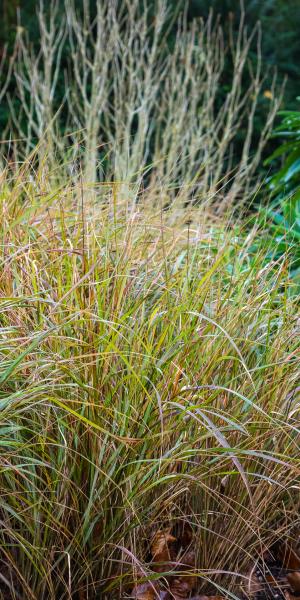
(148, 377)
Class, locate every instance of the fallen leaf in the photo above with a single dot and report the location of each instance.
(145, 591)
(288, 557)
(294, 581)
(160, 543)
(225, 401)
(253, 585)
(200, 597)
(180, 588)
(185, 535)
(182, 585)
(188, 559)
(163, 551)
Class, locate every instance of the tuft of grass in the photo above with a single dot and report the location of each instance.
(149, 376)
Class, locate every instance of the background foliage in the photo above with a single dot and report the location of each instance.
(281, 16)
(280, 21)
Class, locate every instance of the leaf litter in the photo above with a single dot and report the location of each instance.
(274, 576)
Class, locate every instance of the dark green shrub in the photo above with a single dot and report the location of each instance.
(283, 213)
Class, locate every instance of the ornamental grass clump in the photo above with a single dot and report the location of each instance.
(149, 380)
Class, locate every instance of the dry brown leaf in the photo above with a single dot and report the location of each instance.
(288, 556)
(163, 551)
(200, 597)
(160, 544)
(188, 559)
(289, 596)
(180, 588)
(145, 591)
(177, 379)
(253, 585)
(225, 401)
(294, 581)
(186, 535)
(182, 585)
(168, 555)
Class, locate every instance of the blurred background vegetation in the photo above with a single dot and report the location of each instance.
(280, 22)
(280, 26)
